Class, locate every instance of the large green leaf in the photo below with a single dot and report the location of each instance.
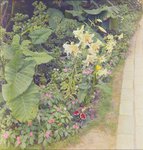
(25, 106)
(56, 16)
(77, 10)
(81, 95)
(40, 58)
(103, 13)
(40, 36)
(19, 75)
(15, 46)
(6, 51)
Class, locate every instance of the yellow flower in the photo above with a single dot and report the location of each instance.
(78, 32)
(98, 67)
(86, 38)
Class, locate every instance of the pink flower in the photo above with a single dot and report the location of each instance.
(58, 109)
(31, 134)
(57, 89)
(90, 109)
(61, 57)
(90, 71)
(87, 72)
(84, 72)
(77, 127)
(53, 120)
(76, 75)
(49, 106)
(40, 118)
(108, 72)
(30, 124)
(116, 56)
(111, 60)
(52, 112)
(76, 100)
(104, 34)
(73, 102)
(18, 138)
(116, 51)
(47, 135)
(18, 142)
(110, 53)
(73, 127)
(76, 124)
(47, 94)
(69, 68)
(65, 70)
(6, 135)
(77, 86)
(50, 95)
(50, 121)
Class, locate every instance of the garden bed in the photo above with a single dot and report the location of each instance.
(53, 70)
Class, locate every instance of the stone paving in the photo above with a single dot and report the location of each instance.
(130, 123)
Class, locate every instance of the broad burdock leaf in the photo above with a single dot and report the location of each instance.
(25, 106)
(40, 36)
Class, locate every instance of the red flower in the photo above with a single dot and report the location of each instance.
(84, 107)
(76, 112)
(82, 116)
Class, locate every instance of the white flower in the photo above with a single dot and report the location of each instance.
(73, 48)
(120, 36)
(109, 47)
(102, 72)
(78, 32)
(110, 37)
(102, 59)
(86, 38)
(88, 60)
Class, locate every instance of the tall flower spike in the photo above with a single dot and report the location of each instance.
(86, 38)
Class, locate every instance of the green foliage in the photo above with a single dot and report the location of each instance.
(40, 36)
(77, 10)
(19, 76)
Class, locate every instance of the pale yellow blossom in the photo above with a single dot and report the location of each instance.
(73, 48)
(78, 32)
(89, 59)
(86, 38)
(110, 36)
(120, 36)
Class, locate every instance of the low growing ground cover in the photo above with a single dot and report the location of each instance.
(52, 70)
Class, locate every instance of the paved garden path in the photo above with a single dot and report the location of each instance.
(130, 123)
